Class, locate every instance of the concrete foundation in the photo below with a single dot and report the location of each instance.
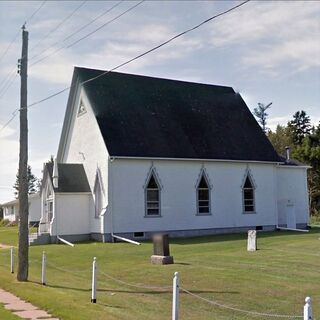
(161, 259)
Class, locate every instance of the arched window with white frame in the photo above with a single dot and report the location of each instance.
(203, 195)
(248, 195)
(152, 196)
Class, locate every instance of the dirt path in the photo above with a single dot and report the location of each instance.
(4, 246)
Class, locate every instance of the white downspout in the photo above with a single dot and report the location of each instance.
(55, 182)
(55, 174)
(291, 229)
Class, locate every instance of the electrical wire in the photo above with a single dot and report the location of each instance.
(87, 35)
(77, 31)
(133, 59)
(142, 54)
(17, 34)
(7, 87)
(7, 78)
(58, 25)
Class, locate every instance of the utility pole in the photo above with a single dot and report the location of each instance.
(23, 254)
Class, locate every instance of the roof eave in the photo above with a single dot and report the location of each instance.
(193, 159)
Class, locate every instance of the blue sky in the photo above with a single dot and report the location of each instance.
(268, 51)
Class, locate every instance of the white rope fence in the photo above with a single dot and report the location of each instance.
(253, 313)
(176, 288)
(138, 286)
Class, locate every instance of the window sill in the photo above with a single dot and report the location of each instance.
(204, 214)
(155, 216)
(249, 212)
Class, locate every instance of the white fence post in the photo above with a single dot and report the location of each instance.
(94, 281)
(43, 269)
(175, 297)
(307, 310)
(11, 260)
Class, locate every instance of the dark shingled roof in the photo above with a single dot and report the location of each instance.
(149, 117)
(292, 162)
(72, 177)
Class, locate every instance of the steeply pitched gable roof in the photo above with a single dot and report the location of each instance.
(72, 177)
(149, 117)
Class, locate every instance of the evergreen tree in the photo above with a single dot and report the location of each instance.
(300, 126)
(309, 152)
(32, 183)
(281, 138)
(261, 113)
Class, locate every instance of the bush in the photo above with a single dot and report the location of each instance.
(7, 223)
(4, 222)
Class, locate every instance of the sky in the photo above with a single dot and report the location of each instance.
(267, 51)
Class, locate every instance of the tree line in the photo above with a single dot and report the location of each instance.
(303, 139)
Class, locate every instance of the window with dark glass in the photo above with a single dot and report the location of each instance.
(203, 194)
(152, 197)
(248, 196)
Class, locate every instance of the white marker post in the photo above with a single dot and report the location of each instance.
(175, 297)
(307, 310)
(11, 260)
(94, 281)
(43, 269)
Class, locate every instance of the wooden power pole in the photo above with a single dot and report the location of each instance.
(23, 255)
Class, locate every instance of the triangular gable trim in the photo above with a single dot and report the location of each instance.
(203, 173)
(248, 174)
(153, 171)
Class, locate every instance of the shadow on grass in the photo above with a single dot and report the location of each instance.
(109, 306)
(239, 236)
(67, 287)
(141, 291)
(154, 292)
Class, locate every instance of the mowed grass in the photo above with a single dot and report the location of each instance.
(7, 315)
(275, 279)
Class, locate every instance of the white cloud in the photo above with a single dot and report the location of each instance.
(272, 34)
(8, 162)
(58, 68)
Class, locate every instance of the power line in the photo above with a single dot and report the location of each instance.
(6, 79)
(37, 10)
(138, 56)
(144, 53)
(8, 85)
(17, 34)
(14, 114)
(59, 24)
(78, 30)
(9, 46)
(87, 35)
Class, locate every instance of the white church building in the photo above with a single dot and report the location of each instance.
(141, 155)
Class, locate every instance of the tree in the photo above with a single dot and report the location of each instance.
(281, 138)
(300, 126)
(262, 115)
(33, 183)
(309, 152)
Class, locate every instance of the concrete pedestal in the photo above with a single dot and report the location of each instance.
(252, 240)
(155, 259)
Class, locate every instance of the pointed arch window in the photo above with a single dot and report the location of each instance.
(152, 196)
(248, 195)
(203, 196)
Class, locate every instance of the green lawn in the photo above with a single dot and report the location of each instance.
(7, 315)
(274, 279)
